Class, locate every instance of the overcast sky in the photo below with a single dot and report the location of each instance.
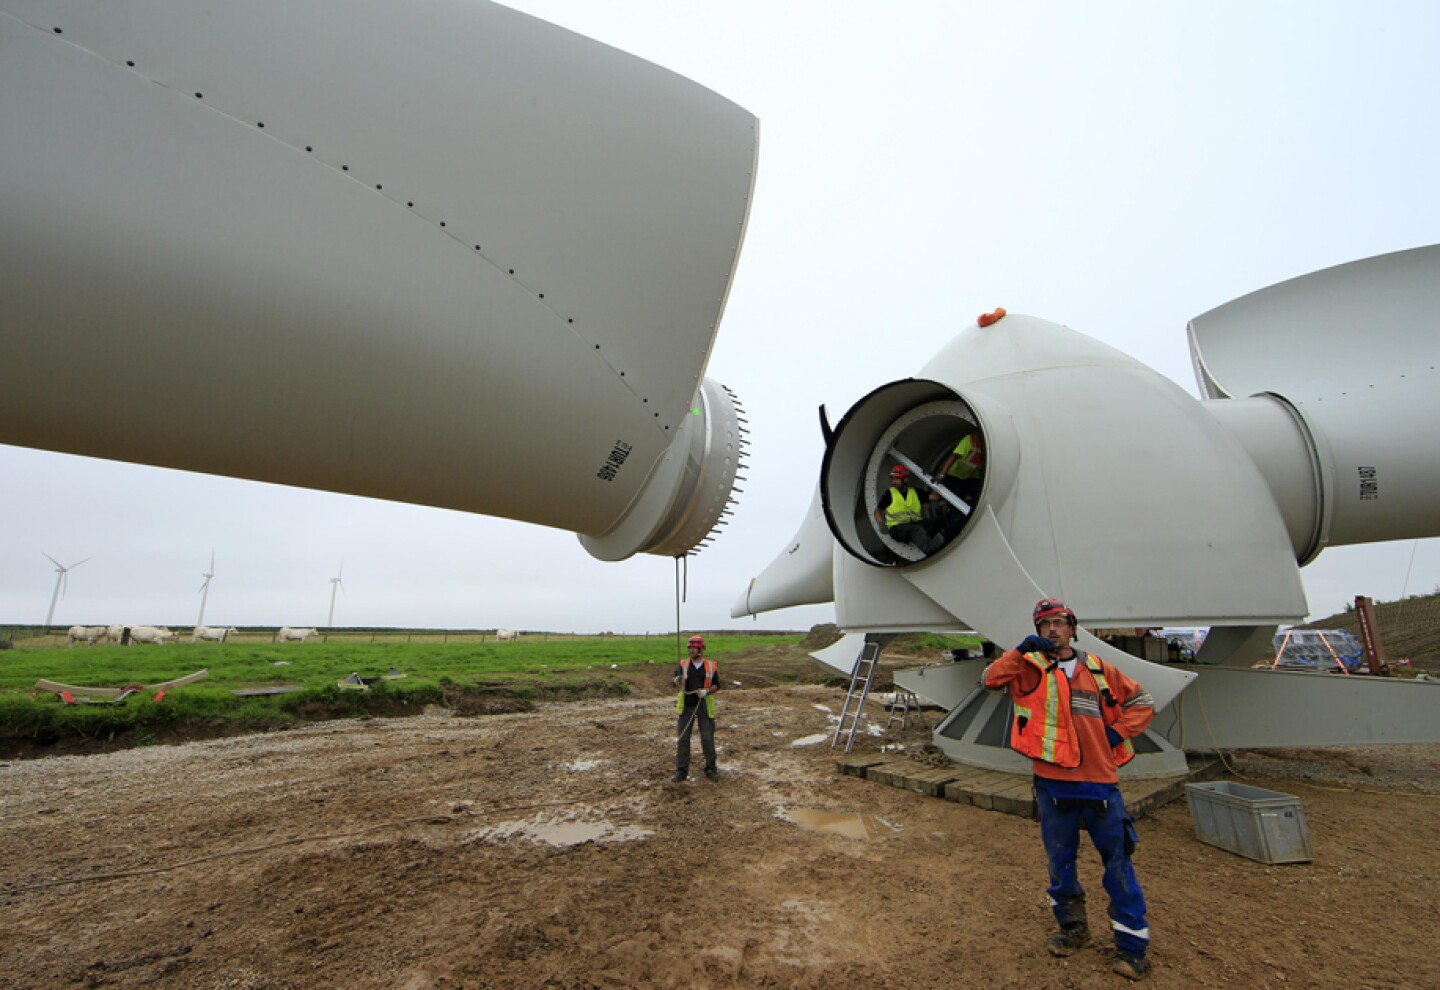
(1116, 167)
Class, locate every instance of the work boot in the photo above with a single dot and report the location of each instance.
(1129, 965)
(712, 773)
(679, 776)
(1072, 936)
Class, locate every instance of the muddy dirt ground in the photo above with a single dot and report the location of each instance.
(549, 849)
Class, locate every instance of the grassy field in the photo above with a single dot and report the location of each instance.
(34, 639)
(469, 675)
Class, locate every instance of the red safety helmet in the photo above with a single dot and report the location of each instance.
(899, 471)
(698, 640)
(1052, 606)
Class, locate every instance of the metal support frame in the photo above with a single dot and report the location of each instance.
(1224, 708)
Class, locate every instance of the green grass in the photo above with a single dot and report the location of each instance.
(435, 673)
(234, 665)
(933, 642)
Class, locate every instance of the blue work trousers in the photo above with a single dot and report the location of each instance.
(1113, 833)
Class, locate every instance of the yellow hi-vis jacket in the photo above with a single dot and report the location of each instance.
(710, 668)
(967, 458)
(1044, 728)
(902, 508)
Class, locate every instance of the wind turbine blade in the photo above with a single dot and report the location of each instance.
(53, 561)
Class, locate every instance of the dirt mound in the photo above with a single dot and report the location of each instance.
(821, 636)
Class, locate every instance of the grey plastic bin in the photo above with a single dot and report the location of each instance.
(1264, 825)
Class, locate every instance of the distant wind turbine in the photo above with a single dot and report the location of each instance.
(60, 582)
(205, 590)
(335, 585)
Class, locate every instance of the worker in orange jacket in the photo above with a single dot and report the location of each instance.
(1074, 717)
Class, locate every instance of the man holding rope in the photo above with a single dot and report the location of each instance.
(697, 678)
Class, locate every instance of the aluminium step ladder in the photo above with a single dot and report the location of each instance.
(860, 680)
(903, 708)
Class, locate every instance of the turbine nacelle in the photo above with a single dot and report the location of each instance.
(1057, 412)
(1079, 498)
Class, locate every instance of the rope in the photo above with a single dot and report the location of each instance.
(1338, 662)
(681, 590)
(692, 718)
(1218, 751)
(1324, 787)
(679, 597)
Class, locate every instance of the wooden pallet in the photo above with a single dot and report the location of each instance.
(1008, 792)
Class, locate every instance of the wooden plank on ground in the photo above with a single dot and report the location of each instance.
(1010, 793)
(856, 766)
(912, 776)
(1016, 798)
(890, 772)
(1145, 796)
(968, 781)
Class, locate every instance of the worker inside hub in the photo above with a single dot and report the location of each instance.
(960, 474)
(931, 520)
(906, 517)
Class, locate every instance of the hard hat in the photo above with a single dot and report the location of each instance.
(1051, 606)
(698, 640)
(899, 471)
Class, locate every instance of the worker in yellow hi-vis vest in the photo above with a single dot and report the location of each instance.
(698, 678)
(902, 514)
(961, 473)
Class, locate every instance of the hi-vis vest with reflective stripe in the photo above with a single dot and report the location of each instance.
(709, 666)
(967, 458)
(1044, 728)
(902, 508)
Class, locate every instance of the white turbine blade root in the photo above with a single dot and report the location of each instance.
(998, 596)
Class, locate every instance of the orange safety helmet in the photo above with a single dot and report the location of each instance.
(1052, 606)
(698, 640)
(899, 471)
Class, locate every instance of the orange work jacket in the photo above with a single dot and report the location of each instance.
(1044, 729)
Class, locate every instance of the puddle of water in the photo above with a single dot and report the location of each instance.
(819, 737)
(562, 833)
(851, 825)
(580, 766)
